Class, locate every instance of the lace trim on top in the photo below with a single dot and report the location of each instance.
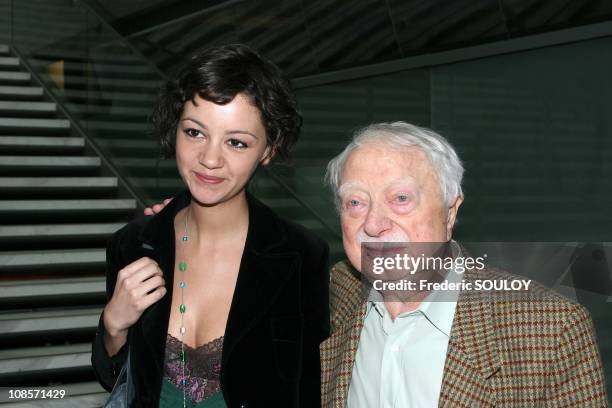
(202, 367)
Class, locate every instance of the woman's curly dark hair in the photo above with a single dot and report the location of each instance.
(217, 75)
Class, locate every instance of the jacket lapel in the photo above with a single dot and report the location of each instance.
(264, 270)
(260, 280)
(158, 235)
(472, 357)
(348, 309)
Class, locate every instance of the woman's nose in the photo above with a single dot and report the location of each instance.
(211, 156)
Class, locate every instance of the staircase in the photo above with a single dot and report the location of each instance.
(58, 207)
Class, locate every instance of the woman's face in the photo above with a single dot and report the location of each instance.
(218, 148)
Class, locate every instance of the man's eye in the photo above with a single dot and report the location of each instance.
(237, 144)
(353, 203)
(402, 198)
(193, 132)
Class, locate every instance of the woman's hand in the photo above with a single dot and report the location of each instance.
(155, 208)
(138, 286)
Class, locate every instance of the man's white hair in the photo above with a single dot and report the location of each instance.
(438, 150)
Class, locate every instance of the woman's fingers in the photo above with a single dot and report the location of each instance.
(150, 284)
(134, 283)
(146, 271)
(153, 297)
(134, 267)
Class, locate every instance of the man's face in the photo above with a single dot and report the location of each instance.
(392, 195)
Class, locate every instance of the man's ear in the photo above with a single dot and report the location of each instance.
(267, 156)
(451, 216)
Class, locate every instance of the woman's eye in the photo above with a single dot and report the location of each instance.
(237, 144)
(193, 132)
(353, 203)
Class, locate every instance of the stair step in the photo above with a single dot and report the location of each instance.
(21, 207)
(81, 54)
(9, 62)
(37, 125)
(21, 92)
(8, 107)
(144, 99)
(45, 184)
(4, 49)
(111, 83)
(14, 77)
(42, 360)
(102, 70)
(37, 232)
(29, 323)
(78, 395)
(34, 292)
(135, 144)
(24, 144)
(136, 162)
(114, 127)
(12, 260)
(48, 162)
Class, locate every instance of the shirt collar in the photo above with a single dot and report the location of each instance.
(439, 312)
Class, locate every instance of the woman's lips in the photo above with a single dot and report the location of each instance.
(208, 179)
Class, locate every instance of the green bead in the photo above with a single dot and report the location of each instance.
(182, 308)
(185, 238)
(182, 266)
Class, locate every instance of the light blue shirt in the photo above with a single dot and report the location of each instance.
(399, 364)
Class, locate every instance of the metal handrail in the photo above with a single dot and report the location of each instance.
(78, 128)
(122, 39)
(278, 180)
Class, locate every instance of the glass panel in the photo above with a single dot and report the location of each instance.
(5, 22)
(104, 85)
(108, 88)
(533, 132)
(531, 127)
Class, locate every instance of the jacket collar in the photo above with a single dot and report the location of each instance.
(472, 350)
(261, 218)
(265, 267)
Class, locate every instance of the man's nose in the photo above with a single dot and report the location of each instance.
(211, 155)
(377, 222)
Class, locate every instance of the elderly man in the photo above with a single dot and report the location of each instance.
(396, 182)
(399, 182)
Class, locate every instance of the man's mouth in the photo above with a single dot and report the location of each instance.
(383, 249)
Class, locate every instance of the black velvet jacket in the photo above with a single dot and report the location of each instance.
(278, 316)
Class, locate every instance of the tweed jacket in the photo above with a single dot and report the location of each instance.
(502, 353)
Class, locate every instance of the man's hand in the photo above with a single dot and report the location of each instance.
(139, 285)
(155, 208)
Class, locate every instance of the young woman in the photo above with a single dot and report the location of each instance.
(219, 301)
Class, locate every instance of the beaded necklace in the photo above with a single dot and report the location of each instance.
(182, 266)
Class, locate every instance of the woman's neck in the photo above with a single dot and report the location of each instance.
(223, 222)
